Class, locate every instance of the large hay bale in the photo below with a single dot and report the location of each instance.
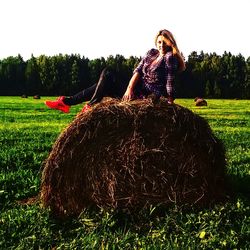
(129, 155)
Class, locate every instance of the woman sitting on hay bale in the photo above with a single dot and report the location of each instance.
(133, 155)
(154, 75)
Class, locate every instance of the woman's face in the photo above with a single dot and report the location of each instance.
(161, 44)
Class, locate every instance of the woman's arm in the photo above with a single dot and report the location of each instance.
(171, 67)
(129, 92)
(138, 72)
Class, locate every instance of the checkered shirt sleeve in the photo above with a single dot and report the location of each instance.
(171, 66)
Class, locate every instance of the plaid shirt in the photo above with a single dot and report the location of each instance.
(158, 77)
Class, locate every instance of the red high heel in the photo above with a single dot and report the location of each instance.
(58, 104)
(86, 107)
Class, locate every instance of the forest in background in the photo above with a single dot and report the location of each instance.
(206, 75)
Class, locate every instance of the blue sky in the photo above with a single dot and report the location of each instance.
(96, 28)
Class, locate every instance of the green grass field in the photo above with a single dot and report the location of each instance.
(27, 132)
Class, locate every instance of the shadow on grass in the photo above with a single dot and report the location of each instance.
(240, 186)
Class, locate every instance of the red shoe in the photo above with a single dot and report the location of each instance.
(86, 107)
(58, 104)
(60, 98)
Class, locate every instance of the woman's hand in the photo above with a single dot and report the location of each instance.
(129, 92)
(128, 95)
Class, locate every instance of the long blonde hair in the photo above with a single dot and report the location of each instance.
(169, 36)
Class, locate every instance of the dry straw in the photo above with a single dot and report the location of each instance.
(129, 155)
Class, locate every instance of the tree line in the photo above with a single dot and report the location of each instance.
(206, 75)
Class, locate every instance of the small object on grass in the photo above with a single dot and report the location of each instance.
(36, 97)
(200, 102)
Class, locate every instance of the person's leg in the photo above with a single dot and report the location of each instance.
(96, 92)
(83, 96)
(104, 87)
(64, 103)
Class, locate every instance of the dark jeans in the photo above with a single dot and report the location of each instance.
(108, 86)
